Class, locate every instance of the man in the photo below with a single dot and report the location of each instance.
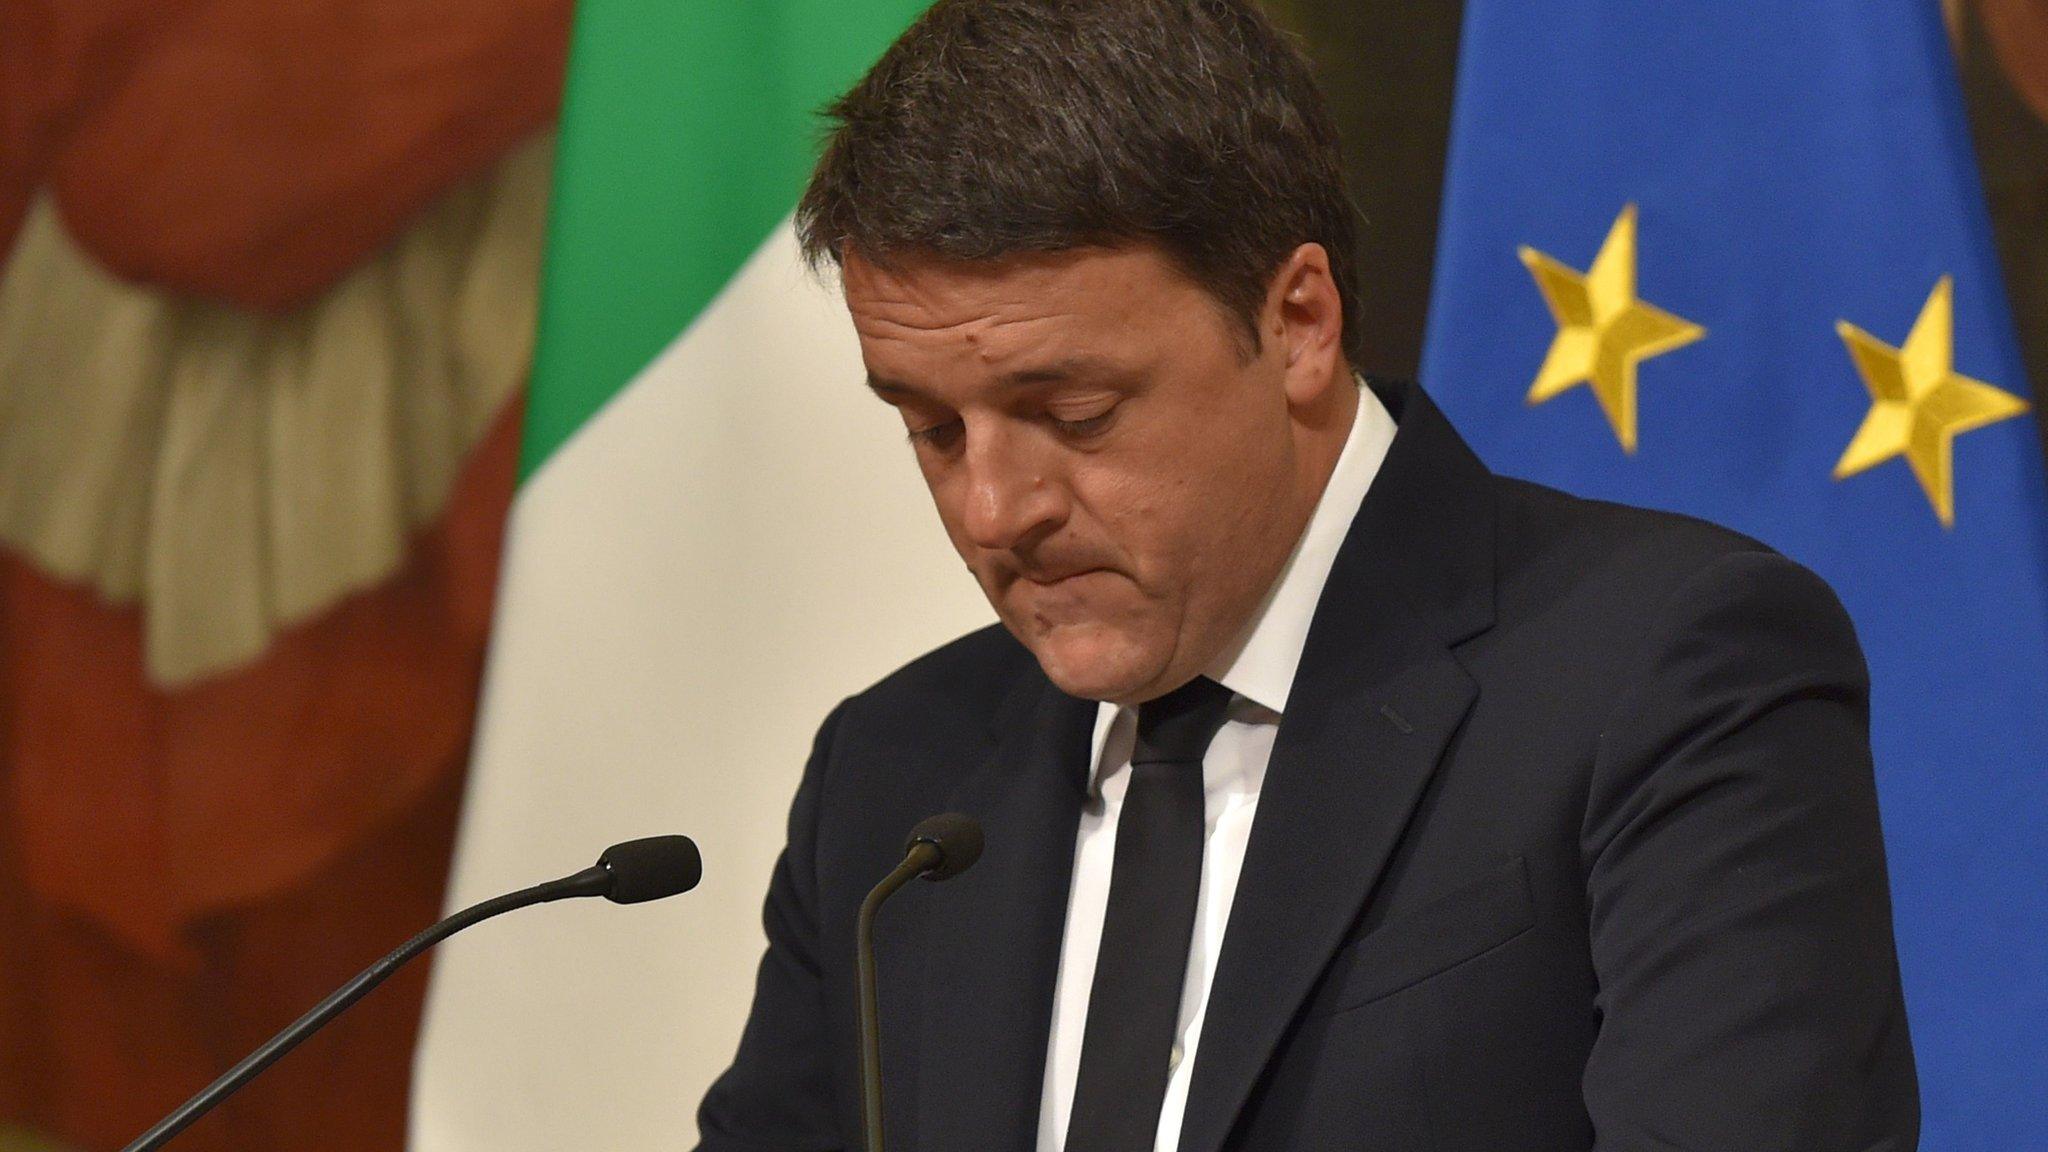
(1338, 793)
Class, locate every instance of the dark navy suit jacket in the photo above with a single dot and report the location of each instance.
(1568, 841)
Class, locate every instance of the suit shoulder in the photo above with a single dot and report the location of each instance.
(1596, 603)
(1612, 572)
(900, 749)
(967, 676)
(1543, 528)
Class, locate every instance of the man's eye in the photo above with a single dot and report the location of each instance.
(940, 436)
(1087, 426)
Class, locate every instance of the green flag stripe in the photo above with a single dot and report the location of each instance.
(687, 130)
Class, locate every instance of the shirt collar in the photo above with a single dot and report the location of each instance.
(1260, 666)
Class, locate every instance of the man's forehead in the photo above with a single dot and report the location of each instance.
(1029, 372)
(1035, 319)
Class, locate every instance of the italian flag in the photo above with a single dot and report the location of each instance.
(718, 535)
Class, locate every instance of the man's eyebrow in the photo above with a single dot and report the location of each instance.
(1058, 371)
(890, 389)
(1065, 368)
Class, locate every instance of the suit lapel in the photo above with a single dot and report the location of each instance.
(1377, 698)
(992, 938)
(1344, 779)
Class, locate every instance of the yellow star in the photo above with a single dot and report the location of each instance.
(1603, 330)
(1919, 404)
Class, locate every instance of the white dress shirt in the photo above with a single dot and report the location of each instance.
(1259, 670)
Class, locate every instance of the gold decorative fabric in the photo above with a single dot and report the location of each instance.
(235, 472)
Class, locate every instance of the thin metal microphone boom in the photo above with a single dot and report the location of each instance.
(916, 862)
(940, 848)
(655, 867)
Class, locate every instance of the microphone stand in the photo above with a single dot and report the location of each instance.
(595, 880)
(921, 857)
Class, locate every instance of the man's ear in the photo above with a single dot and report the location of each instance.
(1304, 318)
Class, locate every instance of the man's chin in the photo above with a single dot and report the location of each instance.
(1095, 663)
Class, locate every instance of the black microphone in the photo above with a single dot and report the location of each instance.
(627, 873)
(940, 848)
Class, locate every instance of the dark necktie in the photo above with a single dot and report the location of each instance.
(1134, 1004)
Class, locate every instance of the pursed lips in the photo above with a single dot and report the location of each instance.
(1066, 588)
(1054, 581)
(1071, 596)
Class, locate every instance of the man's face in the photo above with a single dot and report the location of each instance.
(1122, 481)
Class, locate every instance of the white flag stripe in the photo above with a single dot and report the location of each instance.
(729, 547)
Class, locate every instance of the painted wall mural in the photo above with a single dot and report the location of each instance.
(266, 308)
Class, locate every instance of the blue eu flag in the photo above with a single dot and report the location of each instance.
(1733, 260)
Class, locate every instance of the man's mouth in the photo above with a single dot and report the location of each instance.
(1049, 579)
(1072, 596)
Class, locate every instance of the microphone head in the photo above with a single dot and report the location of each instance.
(957, 837)
(651, 868)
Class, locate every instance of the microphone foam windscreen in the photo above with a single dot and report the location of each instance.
(958, 839)
(651, 868)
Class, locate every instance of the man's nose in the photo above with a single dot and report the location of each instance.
(1013, 495)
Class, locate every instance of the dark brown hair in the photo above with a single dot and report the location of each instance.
(994, 127)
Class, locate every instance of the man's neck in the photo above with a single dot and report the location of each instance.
(1260, 663)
